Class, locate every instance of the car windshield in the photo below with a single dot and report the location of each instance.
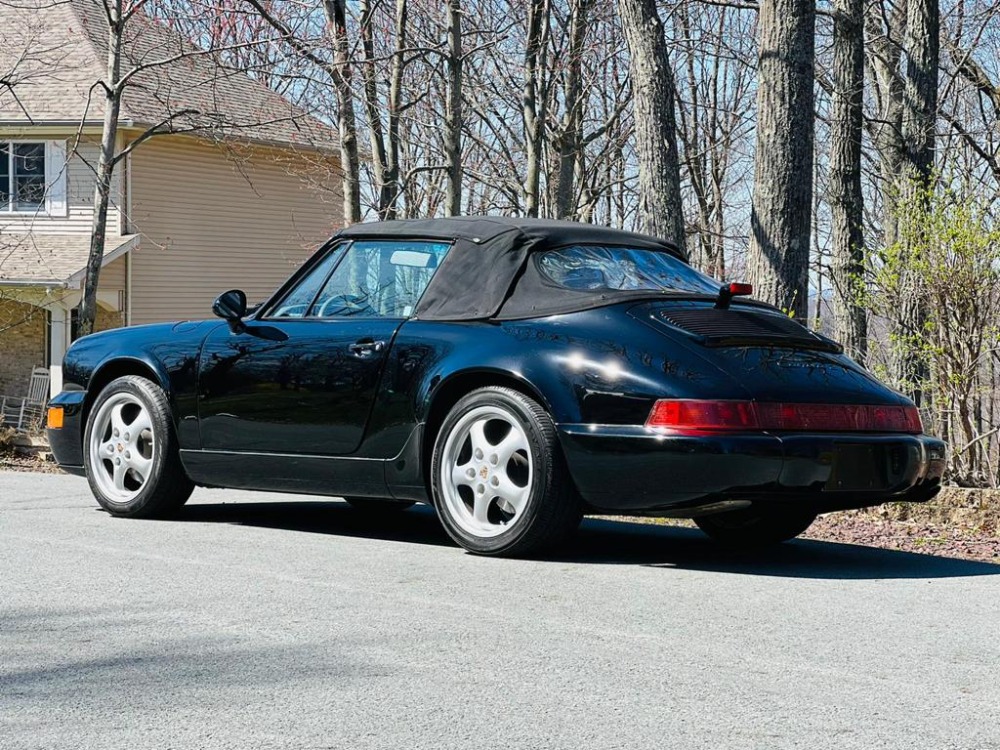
(599, 268)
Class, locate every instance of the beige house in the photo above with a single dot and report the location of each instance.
(239, 203)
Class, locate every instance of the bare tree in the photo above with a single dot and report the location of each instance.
(113, 88)
(535, 99)
(453, 116)
(384, 140)
(141, 59)
(339, 71)
(778, 263)
(885, 25)
(714, 120)
(27, 55)
(920, 94)
(655, 128)
(846, 198)
(919, 122)
(340, 74)
(546, 114)
(969, 99)
(568, 137)
(231, 27)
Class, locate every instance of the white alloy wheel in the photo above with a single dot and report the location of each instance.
(122, 447)
(486, 471)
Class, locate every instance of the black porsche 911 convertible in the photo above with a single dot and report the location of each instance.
(515, 374)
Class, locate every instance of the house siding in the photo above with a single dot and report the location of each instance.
(80, 182)
(211, 220)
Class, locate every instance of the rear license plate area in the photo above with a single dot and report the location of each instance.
(858, 467)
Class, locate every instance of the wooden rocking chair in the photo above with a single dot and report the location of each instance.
(23, 412)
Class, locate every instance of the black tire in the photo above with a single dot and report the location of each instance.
(167, 487)
(376, 505)
(751, 528)
(552, 510)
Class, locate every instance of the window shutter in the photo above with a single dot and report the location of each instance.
(55, 179)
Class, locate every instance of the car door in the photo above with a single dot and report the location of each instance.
(302, 377)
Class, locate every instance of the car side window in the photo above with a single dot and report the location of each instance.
(379, 279)
(296, 303)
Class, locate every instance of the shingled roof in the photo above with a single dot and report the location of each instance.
(53, 54)
(53, 260)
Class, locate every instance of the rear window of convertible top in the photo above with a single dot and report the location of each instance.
(609, 268)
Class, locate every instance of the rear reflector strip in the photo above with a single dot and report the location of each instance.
(729, 416)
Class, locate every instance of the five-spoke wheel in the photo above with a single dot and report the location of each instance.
(131, 453)
(487, 463)
(121, 450)
(499, 483)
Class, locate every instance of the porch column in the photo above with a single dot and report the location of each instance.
(59, 335)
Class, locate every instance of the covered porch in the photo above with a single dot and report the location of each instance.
(41, 284)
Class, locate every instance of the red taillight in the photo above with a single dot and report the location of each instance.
(740, 289)
(913, 423)
(703, 415)
(695, 415)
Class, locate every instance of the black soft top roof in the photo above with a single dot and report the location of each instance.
(490, 254)
(480, 229)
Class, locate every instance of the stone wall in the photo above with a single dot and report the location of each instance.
(22, 345)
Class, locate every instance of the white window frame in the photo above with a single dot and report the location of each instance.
(55, 204)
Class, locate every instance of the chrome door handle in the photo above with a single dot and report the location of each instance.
(366, 347)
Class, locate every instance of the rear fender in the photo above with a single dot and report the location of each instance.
(598, 366)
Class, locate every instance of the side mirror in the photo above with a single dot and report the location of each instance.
(231, 306)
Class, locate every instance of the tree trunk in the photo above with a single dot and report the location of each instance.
(691, 133)
(373, 113)
(396, 69)
(884, 39)
(534, 100)
(570, 136)
(105, 169)
(920, 94)
(846, 200)
(919, 118)
(453, 113)
(655, 128)
(336, 17)
(778, 262)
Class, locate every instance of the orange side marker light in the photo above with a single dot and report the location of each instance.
(55, 418)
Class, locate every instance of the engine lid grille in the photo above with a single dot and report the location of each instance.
(736, 327)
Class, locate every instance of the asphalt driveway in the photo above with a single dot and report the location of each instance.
(267, 621)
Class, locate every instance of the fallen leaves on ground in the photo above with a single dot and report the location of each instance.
(22, 462)
(859, 527)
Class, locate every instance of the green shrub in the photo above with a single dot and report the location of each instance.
(936, 290)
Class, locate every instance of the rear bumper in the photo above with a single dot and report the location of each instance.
(628, 468)
(67, 441)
